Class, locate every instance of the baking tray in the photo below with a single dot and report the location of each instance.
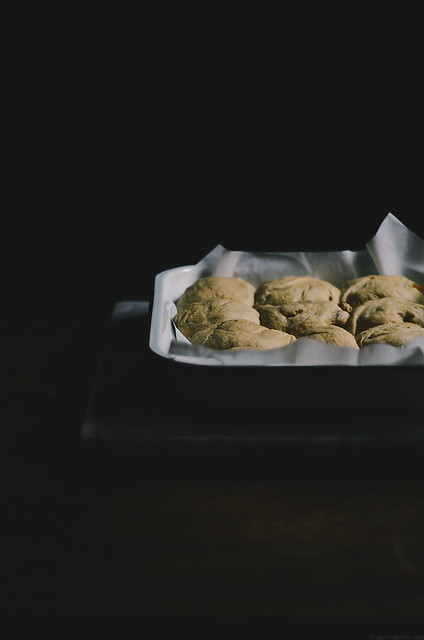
(393, 250)
(202, 382)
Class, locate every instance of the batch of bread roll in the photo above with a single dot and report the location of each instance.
(230, 313)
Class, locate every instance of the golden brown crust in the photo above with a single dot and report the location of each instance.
(217, 287)
(227, 313)
(241, 334)
(298, 317)
(393, 334)
(294, 289)
(200, 315)
(358, 290)
(332, 334)
(384, 311)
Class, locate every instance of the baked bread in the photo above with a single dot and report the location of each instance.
(384, 311)
(293, 289)
(228, 313)
(241, 334)
(213, 287)
(358, 290)
(331, 334)
(201, 315)
(391, 333)
(298, 317)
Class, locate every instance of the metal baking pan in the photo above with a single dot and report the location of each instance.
(339, 389)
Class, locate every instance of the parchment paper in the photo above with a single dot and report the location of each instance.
(394, 250)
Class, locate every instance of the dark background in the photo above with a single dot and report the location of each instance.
(134, 141)
(142, 138)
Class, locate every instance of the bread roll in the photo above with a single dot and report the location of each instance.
(358, 290)
(244, 334)
(384, 311)
(298, 317)
(294, 289)
(394, 334)
(331, 335)
(200, 315)
(213, 287)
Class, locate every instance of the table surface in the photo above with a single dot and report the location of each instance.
(211, 540)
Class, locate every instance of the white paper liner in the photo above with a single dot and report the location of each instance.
(394, 250)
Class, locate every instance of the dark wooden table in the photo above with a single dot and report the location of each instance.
(216, 543)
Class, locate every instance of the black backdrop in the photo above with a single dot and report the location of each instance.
(141, 139)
